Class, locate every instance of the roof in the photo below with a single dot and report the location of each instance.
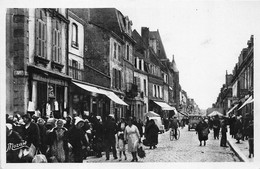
(156, 35)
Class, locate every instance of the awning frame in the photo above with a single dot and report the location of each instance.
(246, 102)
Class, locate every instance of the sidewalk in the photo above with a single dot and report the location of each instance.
(241, 149)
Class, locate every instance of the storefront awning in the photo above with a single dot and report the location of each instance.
(87, 87)
(246, 102)
(109, 94)
(232, 109)
(113, 97)
(164, 106)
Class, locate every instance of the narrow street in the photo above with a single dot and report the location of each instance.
(186, 149)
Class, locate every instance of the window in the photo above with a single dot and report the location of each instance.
(115, 50)
(127, 52)
(135, 62)
(158, 90)
(140, 64)
(119, 51)
(41, 37)
(145, 87)
(74, 35)
(74, 71)
(56, 43)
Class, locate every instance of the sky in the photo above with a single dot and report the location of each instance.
(205, 37)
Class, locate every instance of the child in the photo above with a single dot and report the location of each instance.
(121, 143)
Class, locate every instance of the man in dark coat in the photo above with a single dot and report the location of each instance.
(110, 129)
(31, 132)
(216, 127)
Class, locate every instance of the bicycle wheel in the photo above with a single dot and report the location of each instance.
(171, 135)
(178, 134)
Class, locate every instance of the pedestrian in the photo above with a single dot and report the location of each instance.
(223, 141)
(58, 142)
(238, 129)
(110, 130)
(14, 145)
(173, 125)
(232, 121)
(43, 135)
(77, 139)
(31, 132)
(98, 134)
(139, 125)
(250, 130)
(216, 127)
(132, 137)
(202, 129)
(121, 142)
(151, 134)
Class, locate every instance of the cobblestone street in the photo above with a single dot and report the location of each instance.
(186, 149)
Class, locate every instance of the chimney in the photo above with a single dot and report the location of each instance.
(145, 35)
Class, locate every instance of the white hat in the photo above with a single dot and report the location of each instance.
(9, 126)
(112, 115)
(78, 119)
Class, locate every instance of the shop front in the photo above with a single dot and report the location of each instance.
(48, 92)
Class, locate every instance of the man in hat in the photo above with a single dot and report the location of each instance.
(77, 139)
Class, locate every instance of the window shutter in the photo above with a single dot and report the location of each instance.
(53, 42)
(37, 37)
(59, 47)
(45, 41)
(120, 80)
(116, 75)
(113, 78)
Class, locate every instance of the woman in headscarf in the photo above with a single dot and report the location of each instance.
(132, 137)
(58, 142)
(203, 130)
(152, 134)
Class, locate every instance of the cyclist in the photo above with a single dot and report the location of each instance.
(173, 125)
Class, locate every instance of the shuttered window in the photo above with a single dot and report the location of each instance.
(41, 39)
(56, 42)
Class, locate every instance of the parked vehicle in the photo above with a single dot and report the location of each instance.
(193, 121)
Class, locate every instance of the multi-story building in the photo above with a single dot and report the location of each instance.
(140, 76)
(102, 77)
(36, 58)
(236, 96)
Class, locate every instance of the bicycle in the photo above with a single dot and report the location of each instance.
(172, 133)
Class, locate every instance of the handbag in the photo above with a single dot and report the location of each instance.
(39, 158)
(238, 136)
(140, 152)
(30, 152)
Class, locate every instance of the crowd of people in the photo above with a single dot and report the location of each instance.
(239, 128)
(73, 139)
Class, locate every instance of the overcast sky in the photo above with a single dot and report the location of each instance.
(205, 37)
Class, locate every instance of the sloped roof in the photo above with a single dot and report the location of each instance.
(156, 35)
(106, 18)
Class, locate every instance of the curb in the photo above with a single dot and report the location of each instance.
(237, 151)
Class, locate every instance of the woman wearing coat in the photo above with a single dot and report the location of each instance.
(58, 143)
(152, 134)
(202, 130)
(132, 137)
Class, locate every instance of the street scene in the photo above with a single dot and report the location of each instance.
(182, 150)
(122, 85)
